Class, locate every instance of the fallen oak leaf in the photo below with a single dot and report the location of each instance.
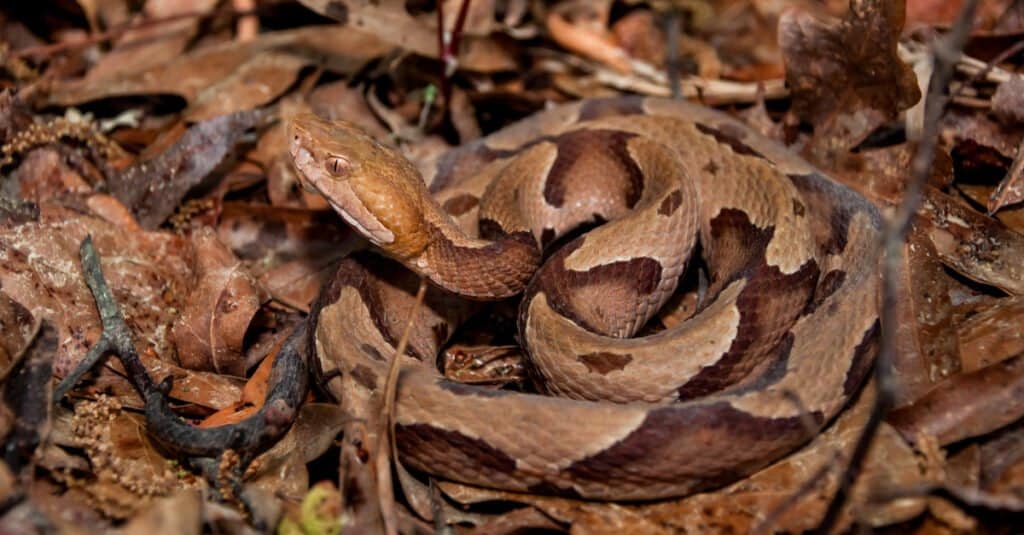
(973, 244)
(926, 337)
(210, 331)
(966, 405)
(846, 77)
(992, 334)
(197, 75)
(388, 21)
(147, 271)
(252, 395)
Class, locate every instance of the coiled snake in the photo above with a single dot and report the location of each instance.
(791, 308)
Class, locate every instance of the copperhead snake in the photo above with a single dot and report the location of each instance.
(783, 340)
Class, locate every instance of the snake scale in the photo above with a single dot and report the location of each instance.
(783, 337)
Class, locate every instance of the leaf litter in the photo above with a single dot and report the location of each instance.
(156, 128)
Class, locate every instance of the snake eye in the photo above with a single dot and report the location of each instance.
(338, 166)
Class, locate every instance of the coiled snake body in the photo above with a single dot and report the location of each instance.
(784, 338)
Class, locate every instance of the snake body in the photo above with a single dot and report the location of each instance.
(782, 341)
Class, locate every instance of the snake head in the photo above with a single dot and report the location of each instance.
(373, 187)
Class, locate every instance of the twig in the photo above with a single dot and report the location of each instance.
(248, 438)
(946, 51)
(448, 47)
(764, 526)
(387, 444)
(118, 31)
(989, 65)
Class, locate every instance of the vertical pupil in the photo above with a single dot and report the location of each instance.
(336, 165)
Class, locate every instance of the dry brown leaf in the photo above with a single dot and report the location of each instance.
(147, 45)
(197, 76)
(292, 249)
(960, 128)
(1008, 101)
(974, 245)
(177, 514)
(882, 174)
(127, 469)
(252, 396)
(1011, 189)
(389, 21)
(282, 469)
(926, 339)
(202, 389)
(146, 272)
(16, 323)
(992, 334)
(154, 187)
(212, 325)
(43, 174)
(588, 39)
(966, 405)
(846, 77)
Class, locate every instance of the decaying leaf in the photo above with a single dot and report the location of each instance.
(389, 21)
(153, 188)
(210, 330)
(40, 271)
(1011, 189)
(992, 334)
(975, 245)
(966, 405)
(926, 338)
(196, 77)
(846, 77)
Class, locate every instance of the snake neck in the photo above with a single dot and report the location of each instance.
(482, 269)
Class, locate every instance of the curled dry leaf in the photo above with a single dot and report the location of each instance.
(197, 76)
(146, 46)
(974, 245)
(845, 76)
(992, 334)
(966, 405)
(587, 35)
(39, 269)
(926, 338)
(210, 331)
(388, 21)
(282, 469)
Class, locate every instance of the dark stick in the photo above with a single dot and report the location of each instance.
(249, 437)
(945, 53)
(26, 393)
